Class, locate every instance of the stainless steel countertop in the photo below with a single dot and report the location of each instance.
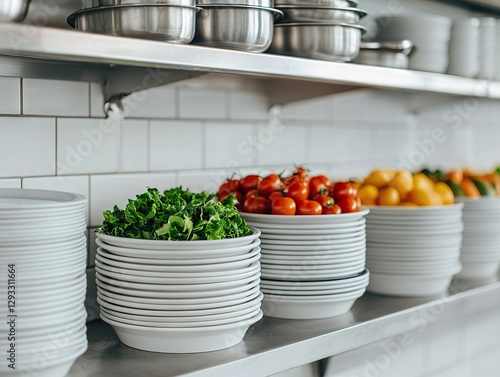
(275, 345)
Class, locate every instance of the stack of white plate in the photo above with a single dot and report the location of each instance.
(312, 266)
(179, 296)
(413, 251)
(464, 48)
(487, 47)
(430, 35)
(43, 251)
(481, 244)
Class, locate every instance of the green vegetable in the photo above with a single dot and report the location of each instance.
(176, 214)
(455, 187)
(483, 188)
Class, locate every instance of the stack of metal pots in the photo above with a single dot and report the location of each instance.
(319, 29)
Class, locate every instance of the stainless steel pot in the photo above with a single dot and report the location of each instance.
(13, 10)
(162, 22)
(325, 41)
(236, 27)
(306, 13)
(385, 54)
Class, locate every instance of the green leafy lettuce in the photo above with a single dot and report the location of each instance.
(176, 214)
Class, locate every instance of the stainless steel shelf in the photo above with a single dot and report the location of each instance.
(275, 345)
(127, 65)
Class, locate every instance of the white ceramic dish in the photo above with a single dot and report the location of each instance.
(185, 290)
(313, 263)
(180, 298)
(310, 275)
(421, 242)
(161, 246)
(415, 212)
(199, 323)
(414, 231)
(479, 269)
(166, 306)
(316, 285)
(43, 261)
(182, 340)
(270, 257)
(317, 247)
(27, 199)
(349, 241)
(272, 232)
(293, 254)
(181, 278)
(184, 282)
(322, 292)
(306, 220)
(338, 226)
(380, 255)
(309, 308)
(267, 237)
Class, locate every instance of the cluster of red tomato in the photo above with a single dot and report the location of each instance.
(297, 194)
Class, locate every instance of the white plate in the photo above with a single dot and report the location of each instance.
(41, 260)
(332, 253)
(279, 307)
(421, 242)
(479, 270)
(270, 292)
(187, 283)
(292, 233)
(25, 199)
(416, 212)
(199, 323)
(323, 284)
(306, 220)
(182, 340)
(313, 262)
(35, 247)
(267, 237)
(166, 306)
(159, 248)
(411, 230)
(199, 278)
(182, 298)
(315, 243)
(312, 275)
(269, 256)
(185, 290)
(191, 269)
(318, 247)
(306, 227)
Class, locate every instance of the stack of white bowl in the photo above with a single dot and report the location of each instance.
(464, 48)
(480, 255)
(413, 251)
(487, 47)
(43, 251)
(312, 266)
(179, 296)
(430, 35)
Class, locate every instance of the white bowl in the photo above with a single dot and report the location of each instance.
(301, 275)
(306, 220)
(315, 247)
(312, 263)
(318, 292)
(479, 269)
(297, 254)
(182, 340)
(178, 297)
(302, 226)
(273, 232)
(162, 246)
(325, 237)
(164, 306)
(271, 257)
(324, 242)
(410, 286)
(360, 278)
(200, 323)
(309, 308)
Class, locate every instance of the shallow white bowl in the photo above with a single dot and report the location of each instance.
(313, 264)
(479, 269)
(318, 292)
(301, 275)
(309, 308)
(316, 247)
(162, 246)
(182, 340)
(303, 227)
(320, 242)
(306, 220)
(297, 254)
(360, 278)
(276, 232)
(271, 257)
(165, 306)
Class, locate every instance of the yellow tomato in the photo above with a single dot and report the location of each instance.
(379, 178)
(368, 194)
(403, 182)
(427, 197)
(388, 196)
(422, 182)
(445, 192)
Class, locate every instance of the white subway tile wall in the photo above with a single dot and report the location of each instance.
(196, 137)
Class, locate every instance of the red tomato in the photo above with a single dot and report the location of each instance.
(303, 173)
(268, 185)
(257, 204)
(231, 185)
(251, 194)
(331, 210)
(348, 205)
(298, 191)
(308, 207)
(324, 200)
(249, 182)
(342, 190)
(319, 184)
(283, 206)
(275, 195)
